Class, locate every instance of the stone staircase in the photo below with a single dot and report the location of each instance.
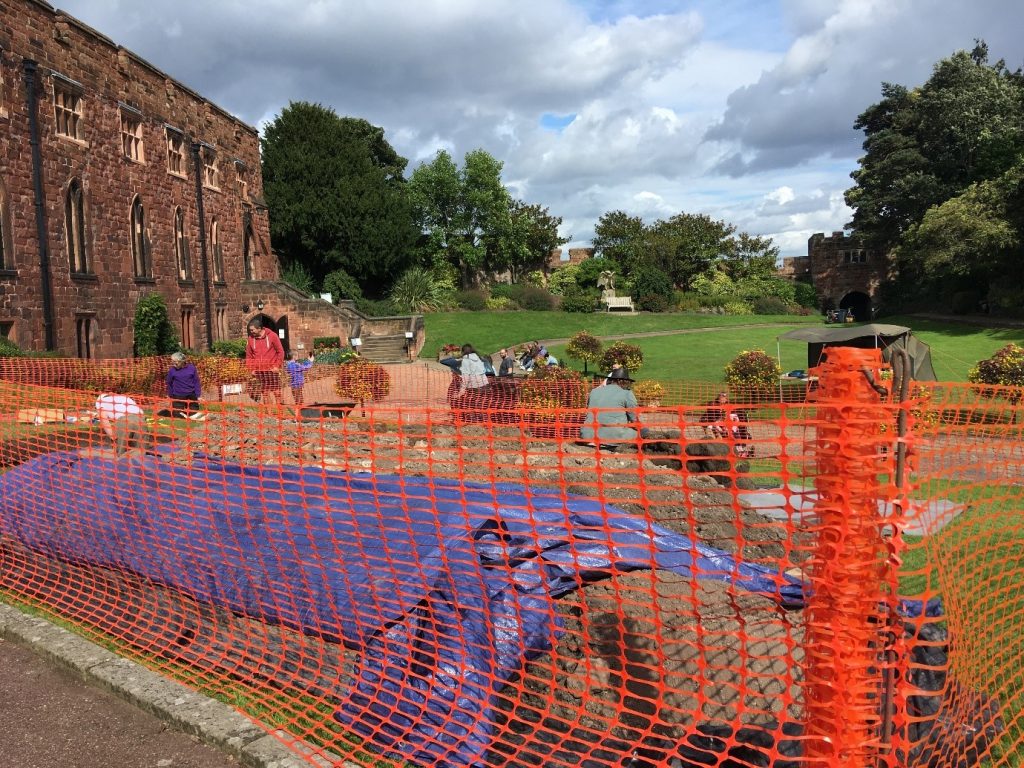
(385, 349)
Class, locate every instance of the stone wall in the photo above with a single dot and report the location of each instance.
(841, 265)
(576, 255)
(306, 319)
(113, 82)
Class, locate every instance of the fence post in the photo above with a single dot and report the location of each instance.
(847, 621)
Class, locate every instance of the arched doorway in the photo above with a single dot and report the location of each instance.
(859, 303)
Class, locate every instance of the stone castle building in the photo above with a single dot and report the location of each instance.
(117, 181)
(845, 273)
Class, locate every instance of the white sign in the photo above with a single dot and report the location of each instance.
(280, 333)
(232, 389)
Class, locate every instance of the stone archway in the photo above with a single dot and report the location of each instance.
(859, 303)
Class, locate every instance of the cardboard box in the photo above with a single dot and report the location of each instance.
(40, 416)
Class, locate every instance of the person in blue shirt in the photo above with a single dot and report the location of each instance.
(297, 375)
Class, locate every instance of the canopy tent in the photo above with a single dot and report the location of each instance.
(888, 338)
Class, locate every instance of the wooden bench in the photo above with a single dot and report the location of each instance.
(618, 302)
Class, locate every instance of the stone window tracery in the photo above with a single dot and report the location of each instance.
(67, 108)
(216, 253)
(131, 136)
(175, 151)
(181, 250)
(140, 242)
(211, 168)
(74, 229)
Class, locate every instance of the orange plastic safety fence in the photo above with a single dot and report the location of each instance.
(386, 565)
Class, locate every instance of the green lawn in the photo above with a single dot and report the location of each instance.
(701, 356)
(490, 331)
(958, 346)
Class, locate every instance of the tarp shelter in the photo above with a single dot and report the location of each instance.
(888, 338)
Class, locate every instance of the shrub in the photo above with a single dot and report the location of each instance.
(770, 305)
(687, 302)
(535, 299)
(648, 392)
(563, 280)
(474, 300)
(334, 355)
(553, 387)
(535, 278)
(753, 369)
(375, 307)
(738, 308)
(215, 370)
(326, 342)
(417, 291)
(9, 349)
(501, 304)
(154, 334)
(504, 291)
(122, 379)
(589, 271)
(298, 277)
(653, 289)
(342, 286)
(805, 295)
(229, 348)
(1004, 368)
(362, 380)
(584, 346)
(628, 355)
(580, 300)
(965, 302)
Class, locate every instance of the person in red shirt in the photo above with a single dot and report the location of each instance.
(264, 356)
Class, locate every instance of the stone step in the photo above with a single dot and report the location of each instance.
(385, 349)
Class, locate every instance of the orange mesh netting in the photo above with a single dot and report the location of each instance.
(388, 566)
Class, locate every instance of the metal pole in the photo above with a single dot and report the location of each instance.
(40, 204)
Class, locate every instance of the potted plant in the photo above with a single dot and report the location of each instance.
(649, 393)
(449, 350)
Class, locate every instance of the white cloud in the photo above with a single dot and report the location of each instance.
(736, 108)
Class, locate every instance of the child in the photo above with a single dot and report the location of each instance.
(297, 375)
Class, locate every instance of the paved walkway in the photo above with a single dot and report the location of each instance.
(67, 703)
(53, 720)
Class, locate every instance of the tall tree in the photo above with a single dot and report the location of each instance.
(337, 196)
(688, 245)
(925, 146)
(469, 220)
(621, 239)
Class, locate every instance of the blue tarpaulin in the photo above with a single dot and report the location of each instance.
(446, 587)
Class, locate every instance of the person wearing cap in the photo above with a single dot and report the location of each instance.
(611, 412)
(183, 387)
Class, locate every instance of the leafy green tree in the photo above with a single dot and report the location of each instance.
(927, 145)
(154, 334)
(336, 194)
(621, 240)
(688, 245)
(341, 285)
(536, 236)
(469, 220)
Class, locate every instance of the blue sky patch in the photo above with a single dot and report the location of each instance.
(552, 122)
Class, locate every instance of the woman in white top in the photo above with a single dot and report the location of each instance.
(472, 370)
(124, 423)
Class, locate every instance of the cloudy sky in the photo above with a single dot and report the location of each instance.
(740, 109)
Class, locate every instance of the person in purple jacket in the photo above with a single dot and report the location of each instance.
(183, 388)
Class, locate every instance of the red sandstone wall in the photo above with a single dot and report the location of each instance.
(834, 278)
(109, 75)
